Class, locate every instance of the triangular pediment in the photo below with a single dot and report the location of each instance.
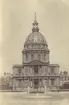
(35, 62)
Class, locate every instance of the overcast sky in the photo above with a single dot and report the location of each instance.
(16, 17)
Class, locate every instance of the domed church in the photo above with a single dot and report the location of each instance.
(35, 74)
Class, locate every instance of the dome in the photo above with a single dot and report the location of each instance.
(35, 37)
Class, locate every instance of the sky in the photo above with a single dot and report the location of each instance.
(16, 18)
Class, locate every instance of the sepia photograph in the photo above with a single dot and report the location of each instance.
(34, 52)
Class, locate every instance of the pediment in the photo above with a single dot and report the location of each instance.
(35, 62)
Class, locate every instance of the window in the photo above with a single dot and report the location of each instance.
(46, 70)
(19, 71)
(36, 83)
(35, 69)
(32, 56)
(52, 70)
(26, 56)
(44, 57)
(38, 56)
(26, 71)
(52, 82)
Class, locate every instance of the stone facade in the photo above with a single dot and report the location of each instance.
(64, 77)
(35, 74)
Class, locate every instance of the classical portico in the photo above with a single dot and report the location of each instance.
(35, 74)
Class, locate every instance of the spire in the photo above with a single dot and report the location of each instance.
(35, 17)
(35, 21)
(35, 24)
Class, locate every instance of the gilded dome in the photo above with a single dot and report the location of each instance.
(35, 37)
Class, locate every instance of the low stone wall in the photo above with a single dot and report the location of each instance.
(34, 90)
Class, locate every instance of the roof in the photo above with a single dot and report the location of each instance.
(35, 37)
(17, 66)
(54, 65)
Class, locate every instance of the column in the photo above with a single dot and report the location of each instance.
(57, 82)
(45, 89)
(49, 83)
(28, 87)
(14, 84)
(45, 86)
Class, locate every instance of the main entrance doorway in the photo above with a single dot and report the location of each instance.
(35, 85)
(36, 81)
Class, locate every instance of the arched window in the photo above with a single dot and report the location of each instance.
(44, 56)
(32, 57)
(46, 70)
(26, 56)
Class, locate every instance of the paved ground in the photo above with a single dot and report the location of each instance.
(18, 98)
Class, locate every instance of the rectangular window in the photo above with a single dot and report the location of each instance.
(52, 70)
(35, 69)
(19, 71)
(52, 82)
(38, 56)
(26, 71)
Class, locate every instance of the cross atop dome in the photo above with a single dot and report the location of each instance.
(35, 25)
